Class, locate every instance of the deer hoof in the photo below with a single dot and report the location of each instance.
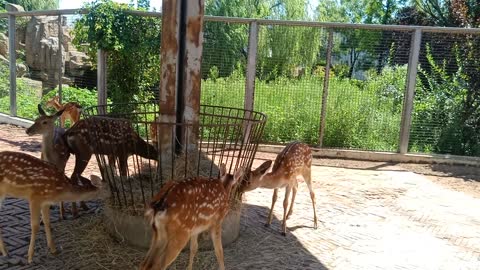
(267, 225)
(84, 206)
(284, 234)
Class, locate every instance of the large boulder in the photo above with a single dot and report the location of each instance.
(42, 50)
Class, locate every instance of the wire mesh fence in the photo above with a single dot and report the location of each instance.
(4, 69)
(369, 68)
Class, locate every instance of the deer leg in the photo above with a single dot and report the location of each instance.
(62, 120)
(2, 245)
(74, 210)
(308, 179)
(193, 250)
(48, 231)
(270, 215)
(216, 234)
(294, 193)
(35, 225)
(285, 207)
(62, 211)
(123, 164)
(174, 246)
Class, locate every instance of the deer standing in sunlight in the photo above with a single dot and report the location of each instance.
(42, 184)
(183, 210)
(292, 164)
(71, 110)
(113, 137)
(54, 148)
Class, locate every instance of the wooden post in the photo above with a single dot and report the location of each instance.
(13, 65)
(60, 57)
(189, 87)
(409, 91)
(102, 80)
(249, 102)
(251, 67)
(326, 80)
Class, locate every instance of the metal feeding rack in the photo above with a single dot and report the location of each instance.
(180, 150)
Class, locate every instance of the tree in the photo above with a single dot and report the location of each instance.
(132, 43)
(29, 5)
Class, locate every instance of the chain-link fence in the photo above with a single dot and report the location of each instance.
(335, 85)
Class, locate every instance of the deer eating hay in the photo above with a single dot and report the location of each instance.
(42, 184)
(292, 164)
(182, 210)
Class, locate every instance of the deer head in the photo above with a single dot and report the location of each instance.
(44, 123)
(255, 177)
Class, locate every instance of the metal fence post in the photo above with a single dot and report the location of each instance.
(102, 77)
(12, 65)
(326, 80)
(60, 58)
(251, 66)
(409, 91)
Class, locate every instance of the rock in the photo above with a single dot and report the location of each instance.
(67, 81)
(13, 8)
(21, 70)
(4, 60)
(3, 45)
(78, 63)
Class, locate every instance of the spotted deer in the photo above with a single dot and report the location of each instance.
(71, 110)
(292, 164)
(113, 137)
(183, 210)
(42, 184)
(54, 148)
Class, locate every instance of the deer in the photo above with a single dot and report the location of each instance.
(180, 211)
(27, 177)
(71, 110)
(292, 164)
(113, 137)
(54, 148)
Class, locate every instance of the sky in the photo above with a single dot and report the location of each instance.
(71, 4)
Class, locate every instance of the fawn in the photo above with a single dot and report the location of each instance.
(71, 110)
(292, 164)
(42, 184)
(113, 137)
(54, 148)
(183, 210)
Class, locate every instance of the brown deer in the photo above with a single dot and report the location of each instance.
(113, 137)
(54, 148)
(183, 210)
(292, 164)
(42, 184)
(71, 110)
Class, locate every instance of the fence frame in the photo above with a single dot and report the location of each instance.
(254, 25)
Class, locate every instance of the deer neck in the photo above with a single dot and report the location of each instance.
(48, 141)
(272, 180)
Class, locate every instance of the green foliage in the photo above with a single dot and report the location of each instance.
(132, 43)
(363, 115)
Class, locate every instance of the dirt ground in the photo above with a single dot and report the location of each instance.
(374, 215)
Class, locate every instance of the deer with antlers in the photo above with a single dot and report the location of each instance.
(54, 147)
(42, 184)
(292, 164)
(71, 110)
(183, 210)
(113, 137)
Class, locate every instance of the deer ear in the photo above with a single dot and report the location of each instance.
(40, 110)
(239, 173)
(57, 114)
(264, 167)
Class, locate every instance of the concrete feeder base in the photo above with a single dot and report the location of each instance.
(135, 231)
